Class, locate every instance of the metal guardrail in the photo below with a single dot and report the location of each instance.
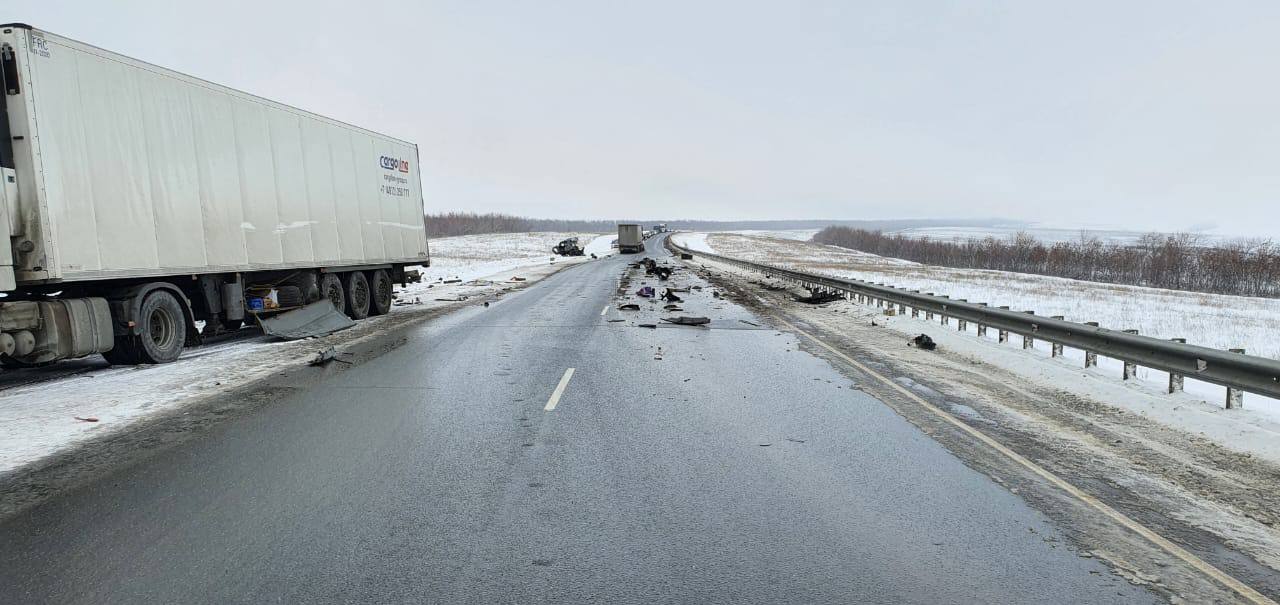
(1236, 371)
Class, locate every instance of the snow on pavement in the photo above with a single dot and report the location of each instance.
(39, 419)
(1206, 319)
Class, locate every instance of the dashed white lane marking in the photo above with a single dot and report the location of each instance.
(604, 310)
(555, 395)
(1240, 588)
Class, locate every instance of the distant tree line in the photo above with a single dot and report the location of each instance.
(448, 224)
(1180, 261)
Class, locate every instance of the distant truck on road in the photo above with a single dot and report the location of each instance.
(139, 201)
(630, 238)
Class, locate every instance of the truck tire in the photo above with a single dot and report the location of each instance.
(357, 291)
(331, 288)
(380, 290)
(164, 333)
(164, 330)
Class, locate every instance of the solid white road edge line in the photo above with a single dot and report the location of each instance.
(1242, 589)
(555, 395)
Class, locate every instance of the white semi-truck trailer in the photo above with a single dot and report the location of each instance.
(140, 201)
(630, 238)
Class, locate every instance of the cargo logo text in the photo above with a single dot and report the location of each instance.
(394, 164)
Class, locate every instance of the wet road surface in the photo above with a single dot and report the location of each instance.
(678, 464)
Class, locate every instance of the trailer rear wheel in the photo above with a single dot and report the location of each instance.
(357, 291)
(380, 288)
(331, 288)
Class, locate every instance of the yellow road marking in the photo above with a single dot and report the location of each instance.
(1190, 559)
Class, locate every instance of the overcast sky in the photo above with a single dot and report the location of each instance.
(1130, 114)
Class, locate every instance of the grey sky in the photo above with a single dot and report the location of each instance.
(1132, 114)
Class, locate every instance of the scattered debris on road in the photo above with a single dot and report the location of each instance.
(923, 341)
(86, 419)
(451, 281)
(629, 307)
(818, 297)
(648, 325)
(685, 320)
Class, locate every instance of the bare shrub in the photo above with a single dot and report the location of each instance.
(1178, 261)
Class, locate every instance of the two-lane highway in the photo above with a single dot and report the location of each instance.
(675, 464)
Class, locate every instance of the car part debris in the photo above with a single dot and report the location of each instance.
(818, 298)
(316, 319)
(750, 323)
(671, 307)
(646, 291)
(685, 320)
(85, 418)
(629, 307)
(593, 256)
(924, 342)
(686, 256)
(417, 300)
(648, 325)
(413, 276)
(452, 281)
(616, 320)
(323, 356)
(670, 296)
(454, 299)
(514, 278)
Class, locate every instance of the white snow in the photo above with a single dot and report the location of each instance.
(693, 241)
(40, 419)
(1210, 320)
(602, 245)
(1255, 429)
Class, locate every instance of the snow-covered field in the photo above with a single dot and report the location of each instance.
(1048, 235)
(1211, 320)
(39, 419)
(469, 257)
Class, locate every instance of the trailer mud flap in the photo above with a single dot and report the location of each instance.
(316, 319)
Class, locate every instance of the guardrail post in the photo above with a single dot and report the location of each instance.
(915, 312)
(902, 309)
(1090, 357)
(946, 321)
(1028, 341)
(1235, 397)
(1175, 379)
(1057, 348)
(1130, 368)
(928, 315)
(982, 329)
(1002, 335)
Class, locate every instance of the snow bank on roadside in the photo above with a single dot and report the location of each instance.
(39, 419)
(1210, 320)
(1255, 429)
(693, 241)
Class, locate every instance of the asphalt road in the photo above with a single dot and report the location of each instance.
(736, 468)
